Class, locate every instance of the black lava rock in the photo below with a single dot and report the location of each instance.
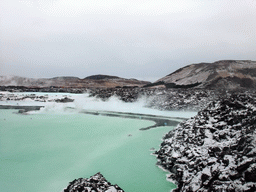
(215, 150)
(96, 183)
(64, 100)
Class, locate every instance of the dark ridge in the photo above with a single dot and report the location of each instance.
(154, 84)
(100, 77)
(173, 85)
(231, 61)
(226, 61)
(130, 87)
(66, 78)
(2, 88)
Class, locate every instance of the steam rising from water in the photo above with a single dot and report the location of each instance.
(84, 102)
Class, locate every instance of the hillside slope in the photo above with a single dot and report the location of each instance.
(228, 74)
(96, 81)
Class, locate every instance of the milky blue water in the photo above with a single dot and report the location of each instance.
(43, 152)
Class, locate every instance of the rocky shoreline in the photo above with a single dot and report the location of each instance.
(157, 98)
(51, 89)
(96, 183)
(215, 150)
(159, 120)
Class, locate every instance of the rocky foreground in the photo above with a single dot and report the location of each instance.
(215, 150)
(96, 183)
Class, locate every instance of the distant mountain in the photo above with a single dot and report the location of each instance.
(229, 74)
(99, 77)
(66, 78)
(95, 81)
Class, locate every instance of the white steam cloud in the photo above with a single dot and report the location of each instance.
(84, 102)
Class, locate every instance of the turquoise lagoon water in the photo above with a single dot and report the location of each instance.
(43, 152)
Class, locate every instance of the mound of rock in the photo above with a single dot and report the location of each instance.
(64, 100)
(96, 183)
(215, 150)
(182, 99)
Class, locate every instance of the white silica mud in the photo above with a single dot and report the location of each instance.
(46, 149)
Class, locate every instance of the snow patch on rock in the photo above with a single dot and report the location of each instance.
(215, 150)
(96, 183)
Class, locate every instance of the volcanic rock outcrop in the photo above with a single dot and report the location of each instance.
(96, 183)
(215, 150)
(229, 74)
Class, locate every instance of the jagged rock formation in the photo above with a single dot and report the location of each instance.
(124, 94)
(162, 99)
(96, 183)
(182, 99)
(229, 74)
(215, 150)
(95, 81)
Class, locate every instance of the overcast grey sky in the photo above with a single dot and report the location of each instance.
(145, 39)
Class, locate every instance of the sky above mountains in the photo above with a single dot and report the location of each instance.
(132, 39)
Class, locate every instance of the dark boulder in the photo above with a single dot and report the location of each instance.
(96, 183)
(64, 100)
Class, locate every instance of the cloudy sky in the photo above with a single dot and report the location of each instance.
(145, 39)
